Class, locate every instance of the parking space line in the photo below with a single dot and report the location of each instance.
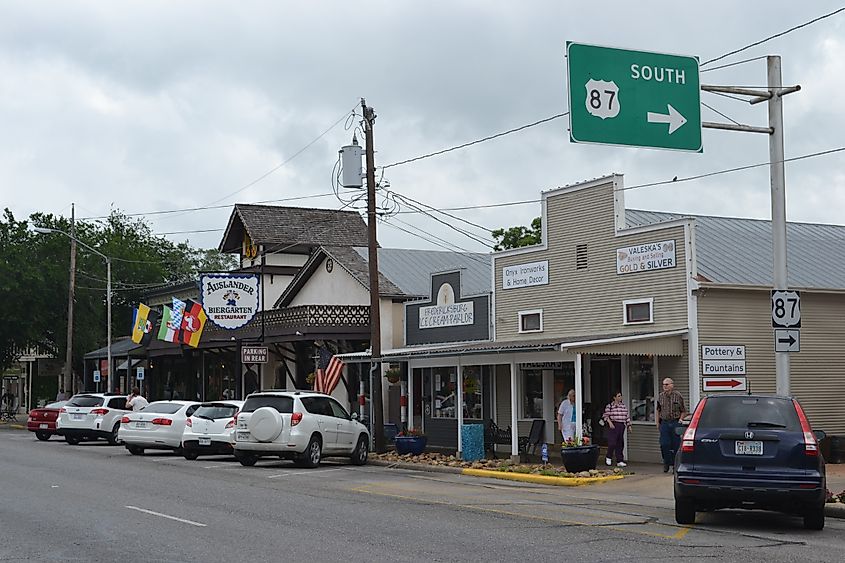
(144, 510)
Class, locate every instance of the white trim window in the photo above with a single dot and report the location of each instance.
(638, 311)
(531, 321)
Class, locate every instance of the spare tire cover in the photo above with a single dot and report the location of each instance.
(265, 424)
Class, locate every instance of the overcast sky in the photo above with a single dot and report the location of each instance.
(160, 105)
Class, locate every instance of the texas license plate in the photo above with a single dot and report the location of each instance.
(754, 447)
(205, 441)
(242, 436)
(42, 426)
(140, 425)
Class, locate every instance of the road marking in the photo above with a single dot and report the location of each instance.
(161, 458)
(144, 510)
(298, 473)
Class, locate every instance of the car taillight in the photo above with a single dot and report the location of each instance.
(62, 410)
(189, 422)
(811, 447)
(231, 423)
(234, 419)
(688, 443)
(124, 420)
(100, 412)
(162, 421)
(295, 418)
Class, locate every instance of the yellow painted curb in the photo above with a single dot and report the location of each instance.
(540, 479)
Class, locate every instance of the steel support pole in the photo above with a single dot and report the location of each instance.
(112, 375)
(778, 183)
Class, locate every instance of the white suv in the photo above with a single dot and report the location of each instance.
(298, 425)
(88, 416)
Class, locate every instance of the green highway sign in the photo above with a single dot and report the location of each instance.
(633, 98)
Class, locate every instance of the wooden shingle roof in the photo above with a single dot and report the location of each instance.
(296, 228)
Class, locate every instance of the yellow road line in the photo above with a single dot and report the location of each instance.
(676, 536)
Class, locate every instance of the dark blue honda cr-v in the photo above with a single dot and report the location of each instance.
(750, 451)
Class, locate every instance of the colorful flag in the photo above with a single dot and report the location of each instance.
(143, 324)
(193, 321)
(329, 370)
(169, 332)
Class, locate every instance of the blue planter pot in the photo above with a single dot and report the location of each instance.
(413, 445)
(580, 458)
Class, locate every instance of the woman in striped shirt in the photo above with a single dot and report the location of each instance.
(617, 419)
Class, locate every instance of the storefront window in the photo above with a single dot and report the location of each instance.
(641, 374)
(532, 393)
(445, 382)
(472, 392)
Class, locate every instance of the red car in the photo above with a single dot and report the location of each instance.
(42, 421)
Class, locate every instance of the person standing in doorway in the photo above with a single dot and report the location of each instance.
(61, 396)
(136, 401)
(618, 420)
(566, 416)
(670, 411)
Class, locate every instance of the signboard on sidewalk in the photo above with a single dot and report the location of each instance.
(724, 383)
(633, 98)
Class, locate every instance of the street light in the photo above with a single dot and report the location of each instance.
(44, 230)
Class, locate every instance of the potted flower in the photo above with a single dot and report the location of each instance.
(393, 375)
(579, 454)
(410, 441)
(310, 378)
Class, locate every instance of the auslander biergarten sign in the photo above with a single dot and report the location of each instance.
(230, 300)
(646, 257)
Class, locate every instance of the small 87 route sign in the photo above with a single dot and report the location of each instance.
(633, 98)
(786, 309)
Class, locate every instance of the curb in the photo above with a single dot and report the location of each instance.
(540, 479)
(834, 510)
(13, 425)
(510, 476)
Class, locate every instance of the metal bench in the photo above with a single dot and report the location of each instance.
(494, 435)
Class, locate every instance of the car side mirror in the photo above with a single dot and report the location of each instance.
(820, 435)
(354, 416)
(680, 430)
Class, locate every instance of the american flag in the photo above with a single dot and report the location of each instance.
(329, 370)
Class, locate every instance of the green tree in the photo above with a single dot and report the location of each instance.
(34, 279)
(515, 237)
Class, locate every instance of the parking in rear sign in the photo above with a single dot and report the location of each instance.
(633, 98)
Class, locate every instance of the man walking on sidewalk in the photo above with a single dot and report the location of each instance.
(670, 410)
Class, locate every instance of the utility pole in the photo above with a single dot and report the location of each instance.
(68, 382)
(375, 316)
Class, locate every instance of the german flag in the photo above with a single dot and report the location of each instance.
(193, 321)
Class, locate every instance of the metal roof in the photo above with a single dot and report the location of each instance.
(410, 270)
(733, 250)
(121, 347)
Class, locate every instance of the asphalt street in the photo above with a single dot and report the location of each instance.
(95, 502)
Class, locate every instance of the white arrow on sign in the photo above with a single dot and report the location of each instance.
(673, 118)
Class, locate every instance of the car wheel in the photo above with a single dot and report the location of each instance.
(247, 460)
(135, 450)
(72, 440)
(313, 454)
(190, 456)
(43, 436)
(112, 439)
(684, 511)
(814, 518)
(362, 450)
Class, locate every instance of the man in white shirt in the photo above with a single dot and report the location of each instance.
(566, 416)
(136, 401)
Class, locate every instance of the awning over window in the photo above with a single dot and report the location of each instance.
(654, 344)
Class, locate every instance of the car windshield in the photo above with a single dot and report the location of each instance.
(56, 405)
(749, 412)
(281, 404)
(162, 407)
(85, 401)
(213, 412)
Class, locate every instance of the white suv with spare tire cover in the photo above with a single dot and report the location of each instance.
(298, 425)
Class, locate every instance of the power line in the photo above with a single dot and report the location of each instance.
(488, 138)
(711, 108)
(435, 243)
(734, 64)
(677, 180)
(782, 33)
